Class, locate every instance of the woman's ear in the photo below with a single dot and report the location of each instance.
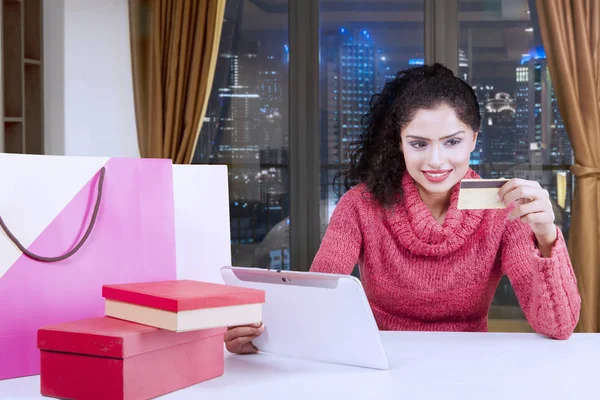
(474, 144)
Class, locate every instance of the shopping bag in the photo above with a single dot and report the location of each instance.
(202, 227)
(70, 225)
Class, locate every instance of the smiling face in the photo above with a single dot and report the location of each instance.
(437, 146)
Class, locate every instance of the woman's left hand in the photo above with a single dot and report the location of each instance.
(533, 207)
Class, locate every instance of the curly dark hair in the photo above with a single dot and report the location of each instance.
(376, 159)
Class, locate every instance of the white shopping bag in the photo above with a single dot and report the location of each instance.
(202, 230)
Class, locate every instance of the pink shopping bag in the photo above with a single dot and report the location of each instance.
(70, 225)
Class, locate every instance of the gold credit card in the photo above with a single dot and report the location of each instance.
(480, 194)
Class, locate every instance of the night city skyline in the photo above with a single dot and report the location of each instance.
(246, 127)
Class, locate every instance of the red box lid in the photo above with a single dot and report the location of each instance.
(114, 338)
(182, 295)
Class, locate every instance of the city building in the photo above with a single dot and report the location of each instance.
(498, 125)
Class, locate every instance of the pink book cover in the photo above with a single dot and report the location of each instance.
(182, 295)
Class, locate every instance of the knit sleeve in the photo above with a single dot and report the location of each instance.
(545, 287)
(342, 243)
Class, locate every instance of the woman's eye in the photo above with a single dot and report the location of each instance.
(453, 142)
(418, 145)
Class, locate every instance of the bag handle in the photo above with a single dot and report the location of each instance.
(81, 242)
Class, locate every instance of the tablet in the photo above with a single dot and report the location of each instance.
(316, 316)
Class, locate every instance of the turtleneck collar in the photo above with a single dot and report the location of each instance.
(420, 233)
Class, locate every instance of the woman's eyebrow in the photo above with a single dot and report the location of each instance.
(445, 137)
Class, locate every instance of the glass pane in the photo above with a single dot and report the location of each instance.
(246, 128)
(501, 55)
(363, 44)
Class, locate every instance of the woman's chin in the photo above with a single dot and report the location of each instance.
(439, 188)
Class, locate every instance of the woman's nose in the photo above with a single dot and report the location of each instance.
(435, 160)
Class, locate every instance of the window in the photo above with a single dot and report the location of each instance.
(501, 55)
(246, 128)
(362, 45)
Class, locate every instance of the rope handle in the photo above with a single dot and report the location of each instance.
(81, 242)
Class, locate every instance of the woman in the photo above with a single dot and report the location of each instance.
(424, 264)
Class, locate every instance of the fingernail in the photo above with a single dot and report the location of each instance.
(262, 328)
(497, 197)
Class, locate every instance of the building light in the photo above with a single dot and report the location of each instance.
(416, 61)
(247, 96)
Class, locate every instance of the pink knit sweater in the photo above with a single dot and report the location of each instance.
(420, 275)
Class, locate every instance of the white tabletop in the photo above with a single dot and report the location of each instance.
(423, 365)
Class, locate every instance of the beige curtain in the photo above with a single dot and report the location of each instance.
(174, 49)
(571, 34)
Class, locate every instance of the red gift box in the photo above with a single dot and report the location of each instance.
(184, 305)
(107, 358)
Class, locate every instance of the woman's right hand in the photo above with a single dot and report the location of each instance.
(238, 339)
